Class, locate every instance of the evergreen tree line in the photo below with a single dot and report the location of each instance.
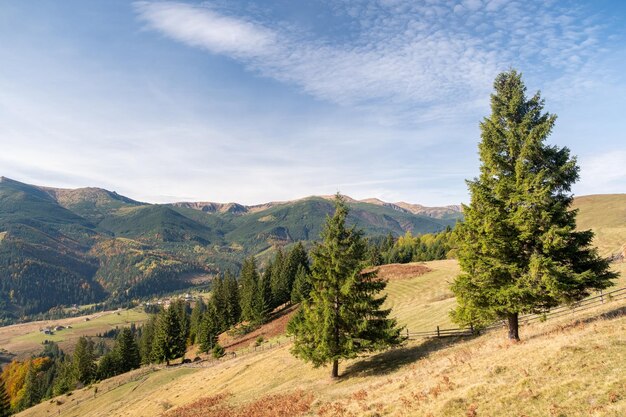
(53, 372)
(239, 304)
(409, 248)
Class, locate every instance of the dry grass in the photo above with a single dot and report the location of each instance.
(393, 272)
(569, 366)
(280, 405)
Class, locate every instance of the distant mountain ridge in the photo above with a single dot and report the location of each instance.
(61, 246)
(236, 208)
(72, 246)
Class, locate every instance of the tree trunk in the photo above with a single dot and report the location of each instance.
(513, 326)
(335, 371)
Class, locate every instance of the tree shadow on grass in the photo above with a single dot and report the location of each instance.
(391, 360)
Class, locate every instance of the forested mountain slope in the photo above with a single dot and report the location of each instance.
(60, 247)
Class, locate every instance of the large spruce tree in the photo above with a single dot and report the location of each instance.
(343, 317)
(519, 250)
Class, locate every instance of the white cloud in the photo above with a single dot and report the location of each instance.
(407, 53)
(207, 29)
(603, 173)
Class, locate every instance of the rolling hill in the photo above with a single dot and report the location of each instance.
(571, 365)
(90, 245)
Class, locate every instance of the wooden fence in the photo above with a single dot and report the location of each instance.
(585, 304)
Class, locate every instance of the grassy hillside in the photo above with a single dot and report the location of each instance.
(568, 366)
(606, 216)
(93, 204)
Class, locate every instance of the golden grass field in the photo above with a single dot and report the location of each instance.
(571, 366)
(606, 215)
(574, 365)
(567, 366)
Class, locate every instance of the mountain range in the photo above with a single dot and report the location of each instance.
(76, 246)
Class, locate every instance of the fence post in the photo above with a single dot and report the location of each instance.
(472, 328)
(438, 334)
(407, 332)
(601, 297)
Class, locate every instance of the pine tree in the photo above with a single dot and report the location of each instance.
(194, 321)
(182, 310)
(84, 361)
(295, 258)
(302, 286)
(66, 377)
(265, 293)
(127, 351)
(209, 329)
(233, 296)
(519, 250)
(220, 300)
(108, 366)
(249, 300)
(5, 404)
(169, 341)
(147, 339)
(343, 318)
(278, 293)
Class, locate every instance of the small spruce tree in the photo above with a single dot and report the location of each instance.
(209, 329)
(84, 361)
(169, 341)
(343, 316)
(233, 309)
(127, 351)
(249, 299)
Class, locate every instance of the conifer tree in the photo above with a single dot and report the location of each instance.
(265, 293)
(249, 297)
(295, 258)
(84, 361)
(182, 310)
(127, 351)
(66, 379)
(209, 329)
(302, 286)
(220, 299)
(518, 247)
(343, 317)
(233, 296)
(169, 341)
(195, 319)
(278, 296)
(108, 366)
(5, 404)
(147, 339)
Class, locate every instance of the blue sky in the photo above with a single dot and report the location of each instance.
(255, 101)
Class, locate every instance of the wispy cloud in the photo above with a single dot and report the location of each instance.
(413, 53)
(603, 173)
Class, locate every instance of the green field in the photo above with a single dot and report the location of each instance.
(25, 339)
(422, 303)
